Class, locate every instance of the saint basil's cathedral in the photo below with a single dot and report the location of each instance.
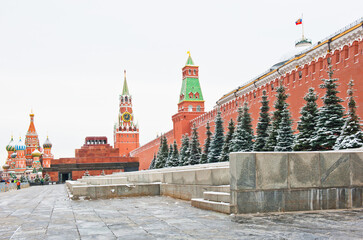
(27, 157)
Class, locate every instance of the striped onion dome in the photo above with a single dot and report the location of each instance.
(36, 153)
(11, 146)
(20, 146)
(47, 144)
(6, 166)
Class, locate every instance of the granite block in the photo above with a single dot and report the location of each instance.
(304, 170)
(272, 170)
(334, 168)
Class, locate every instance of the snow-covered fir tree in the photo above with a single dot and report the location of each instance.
(285, 135)
(162, 154)
(227, 142)
(352, 134)
(194, 147)
(279, 104)
(216, 145)
(242, 140)
(204, 156)
(170, 154)
(307, 123)
(174, 160)
(330, 118)
(152, 164)
(184, 150)
(262, 125)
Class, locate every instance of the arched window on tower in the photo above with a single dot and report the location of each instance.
(197, 95)
(190, 72)
(126, 99)
(195, 72)
(190, 108)
(198, 108)
(190, 95)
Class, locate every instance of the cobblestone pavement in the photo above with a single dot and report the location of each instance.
(45, 212)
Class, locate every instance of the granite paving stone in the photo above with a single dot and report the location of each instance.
(46, 212)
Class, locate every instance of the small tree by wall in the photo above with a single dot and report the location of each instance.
(227, 142)
(307, 123)
(152, 164)
(330, 118)
(351, 135)
(174, 161)
(170, 154)
(243, 136)
(204, 156)
(262, 125)
(280, 102)
(194, 148)
(285, 136)
(216, 145)
(162, 154)
(184, 150)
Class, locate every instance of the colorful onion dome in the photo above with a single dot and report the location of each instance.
(47, 144)
(6, 166)
(13, 155)
(36, 153)
(20, 146)
(11, 146)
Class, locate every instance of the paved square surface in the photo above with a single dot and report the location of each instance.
(45, 212)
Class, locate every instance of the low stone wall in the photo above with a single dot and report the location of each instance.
(115, 190)
(180, 182)
(301, 181)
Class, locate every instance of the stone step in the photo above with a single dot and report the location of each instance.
(217, 196)
(211, 205)
(221, 188)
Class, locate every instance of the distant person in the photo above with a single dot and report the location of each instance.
(42, 181)
(18, 184)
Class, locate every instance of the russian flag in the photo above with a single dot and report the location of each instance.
(299, 21)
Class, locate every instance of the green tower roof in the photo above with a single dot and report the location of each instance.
(191, 85)
(125, 90)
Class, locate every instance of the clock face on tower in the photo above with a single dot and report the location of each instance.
(126, 117)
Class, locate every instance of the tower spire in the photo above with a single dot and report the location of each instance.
(125, 89)
(190, 60)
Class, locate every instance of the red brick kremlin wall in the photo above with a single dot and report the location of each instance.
(347, 62)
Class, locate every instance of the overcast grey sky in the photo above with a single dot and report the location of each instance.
(65, 59)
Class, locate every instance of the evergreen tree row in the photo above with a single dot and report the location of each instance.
(323, 128)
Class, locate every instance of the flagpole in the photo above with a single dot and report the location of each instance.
(302, 26)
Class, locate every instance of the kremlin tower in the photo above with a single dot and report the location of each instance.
(126, 132)
(191, 102)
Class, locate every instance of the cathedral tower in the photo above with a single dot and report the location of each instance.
(31, 141)
(191, 102)
(126, 132)
(47, 155)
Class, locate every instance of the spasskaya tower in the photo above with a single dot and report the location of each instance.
(126, 132)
